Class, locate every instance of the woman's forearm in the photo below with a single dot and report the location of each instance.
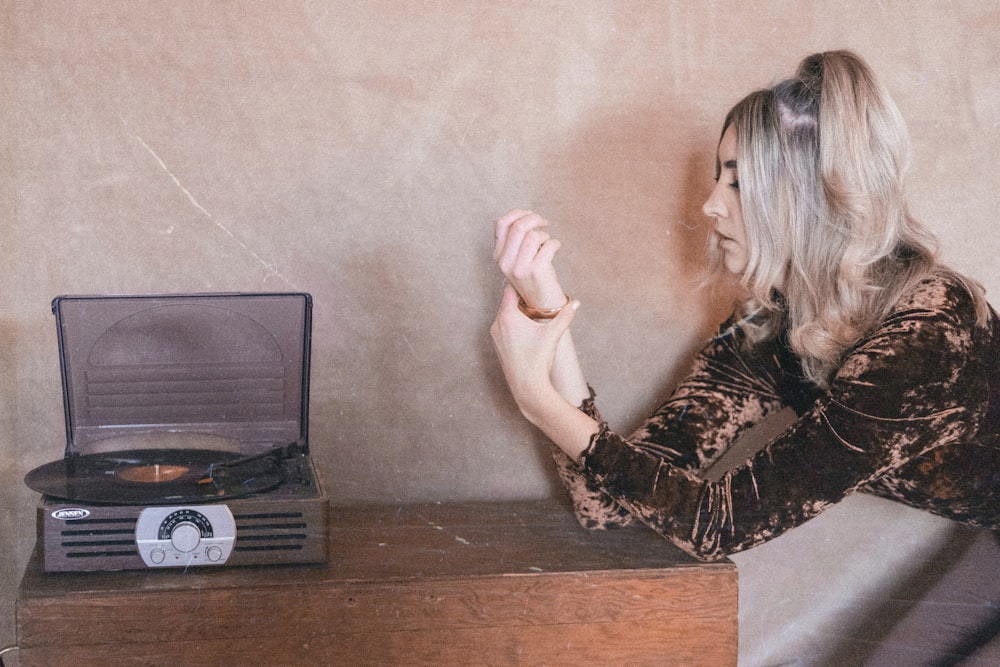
(567, 374)
(561, 421)
(559, 416)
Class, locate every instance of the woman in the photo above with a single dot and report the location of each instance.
(845, 306)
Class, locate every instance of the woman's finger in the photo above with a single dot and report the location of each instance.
(501, 227)
(509, 241)
(527, 252)
(547, 251)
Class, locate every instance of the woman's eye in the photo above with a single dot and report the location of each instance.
(735, 185)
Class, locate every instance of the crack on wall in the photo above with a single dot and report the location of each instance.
(270, 268)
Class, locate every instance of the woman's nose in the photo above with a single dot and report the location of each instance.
(714, 207)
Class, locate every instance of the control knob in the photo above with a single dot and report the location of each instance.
(185, 536)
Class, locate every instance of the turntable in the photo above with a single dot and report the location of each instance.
(187, 435)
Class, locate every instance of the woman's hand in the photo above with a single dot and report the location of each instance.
(527, 351)
(524, 253)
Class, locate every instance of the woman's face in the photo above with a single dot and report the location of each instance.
(723, 205)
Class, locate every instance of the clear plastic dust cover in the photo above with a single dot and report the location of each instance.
(194, 371)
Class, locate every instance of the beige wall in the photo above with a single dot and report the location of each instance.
(360, 150)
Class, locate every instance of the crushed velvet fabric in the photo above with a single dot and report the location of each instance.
(907, 416)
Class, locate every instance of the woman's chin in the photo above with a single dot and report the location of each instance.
(735, 263)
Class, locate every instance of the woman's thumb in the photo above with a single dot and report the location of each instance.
(560, 323)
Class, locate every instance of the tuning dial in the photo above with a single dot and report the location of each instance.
(185, 536)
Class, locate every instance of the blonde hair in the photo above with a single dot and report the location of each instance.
(821, 160)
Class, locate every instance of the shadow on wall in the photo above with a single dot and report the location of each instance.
(628, 191)
(638, 177)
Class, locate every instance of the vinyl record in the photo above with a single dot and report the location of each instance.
(155, 476)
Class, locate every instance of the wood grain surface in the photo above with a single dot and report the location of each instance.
(472, 583)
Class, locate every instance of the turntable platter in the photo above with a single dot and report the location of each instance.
(154, 476)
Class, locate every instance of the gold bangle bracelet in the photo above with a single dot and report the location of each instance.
(538, 313)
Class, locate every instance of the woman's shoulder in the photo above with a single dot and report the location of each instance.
(929, 357)
(945, 294)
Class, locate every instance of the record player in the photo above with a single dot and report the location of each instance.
(187, 435)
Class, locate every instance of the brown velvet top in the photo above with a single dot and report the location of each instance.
(907, 416)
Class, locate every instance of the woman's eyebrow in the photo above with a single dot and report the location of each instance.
(729, 164)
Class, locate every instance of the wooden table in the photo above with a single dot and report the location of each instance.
(441, 584)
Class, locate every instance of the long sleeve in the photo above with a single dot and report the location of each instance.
(886, 406)
(726, 392)
(594, 509)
